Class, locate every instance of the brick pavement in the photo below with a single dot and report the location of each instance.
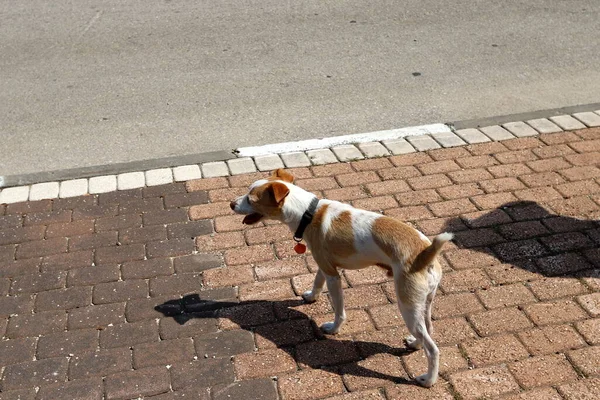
(161, 292)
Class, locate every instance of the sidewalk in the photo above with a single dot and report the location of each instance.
(162, 293)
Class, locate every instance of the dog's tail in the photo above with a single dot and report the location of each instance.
(427, 256)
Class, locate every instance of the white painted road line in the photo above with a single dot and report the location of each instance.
(325, 143)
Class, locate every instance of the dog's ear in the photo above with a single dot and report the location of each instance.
(283, 175)
(280, 191)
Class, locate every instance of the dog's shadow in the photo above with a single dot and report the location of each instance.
(526, 235)
(292, 331)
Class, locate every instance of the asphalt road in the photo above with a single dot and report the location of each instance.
(93, 82)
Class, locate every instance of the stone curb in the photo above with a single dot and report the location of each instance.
(94, 180)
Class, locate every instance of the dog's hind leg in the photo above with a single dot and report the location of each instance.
(428, 305)
(310, 296)
(414, 317)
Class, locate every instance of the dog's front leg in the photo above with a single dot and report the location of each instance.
(310, 296)
(334, 285)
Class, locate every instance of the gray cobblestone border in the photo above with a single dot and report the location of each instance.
(93, 180)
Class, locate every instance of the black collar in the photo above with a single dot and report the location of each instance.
(306, 219)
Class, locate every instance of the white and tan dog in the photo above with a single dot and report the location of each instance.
(341, 236)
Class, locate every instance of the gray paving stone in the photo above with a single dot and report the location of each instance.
(496, 133)
(472, 136)
(102, 184)
(214, 169)
(423, 142)
(399, 146)
(373, 149)
(347, 152)
(268, 162)
(295, 159)
(590, 119)
(186, 173)
(14, 194)
(46, 190)
(161, 176)
(239, 166)
(567, 122)
(544, 125)
(448, 139)
(131, 180)
(73, 188)
(321, 156)
(520, 129)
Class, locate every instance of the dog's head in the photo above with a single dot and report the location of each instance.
(265, 198)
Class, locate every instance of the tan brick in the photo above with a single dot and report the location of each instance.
(439, 225)
(551, 339)
(542, 179)
(357, 178)
(450, 153)
(535, 394)
(578, 206)
(206, 184)
(419, 197)
(502, 185)
(592, 143)
(412, 213)
(429, 182)
(332, 169)
(516, 156)
(376, 203)
(477, 161)
(553, 288)
(585, 389)
(267, 234)
(465, 280)
(470, 175)
(438, 167)
(449, 331)
(281, 268)
(346, 194)
(554, 312)
(220, 241)
(494, 350)
(226, 194)
(310, 384)
(583, 159)
(250, 254)
(317, 183)
(244, 180)
(453, 304)
(372, 394)
(538, 194)
(542, 371)
(590, 330)
(579, 188)
(371, 164)
(264, 363)
(230, 223)
(495, 200)
(551, 164)
(581, 173)
(460, 191)
(558, 150)
(517, 169)
(452, 207)
(591, 303)
(500, 320)
(364, 296)
(357, 321)
(470, 258)
(482, 219)
(228, 276)
(484, 382)
(505, 296)
(266, 290)
(411, 159)
(204, 211)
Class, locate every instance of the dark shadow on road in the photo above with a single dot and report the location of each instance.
(526, 235)
(290, 330)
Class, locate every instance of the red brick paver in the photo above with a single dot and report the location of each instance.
(162, 293)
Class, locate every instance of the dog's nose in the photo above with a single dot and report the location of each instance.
(232, 205)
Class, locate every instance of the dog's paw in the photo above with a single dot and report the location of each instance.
(309, 297)
(412, 343)
(329, 328)
(425, 381)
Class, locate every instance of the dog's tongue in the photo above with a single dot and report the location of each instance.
(252, 218)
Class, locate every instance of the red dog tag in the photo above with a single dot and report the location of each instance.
(300, 248)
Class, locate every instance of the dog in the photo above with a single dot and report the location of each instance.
(341, 236)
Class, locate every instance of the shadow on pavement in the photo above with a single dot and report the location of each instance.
(526, 235)
(292, 331)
